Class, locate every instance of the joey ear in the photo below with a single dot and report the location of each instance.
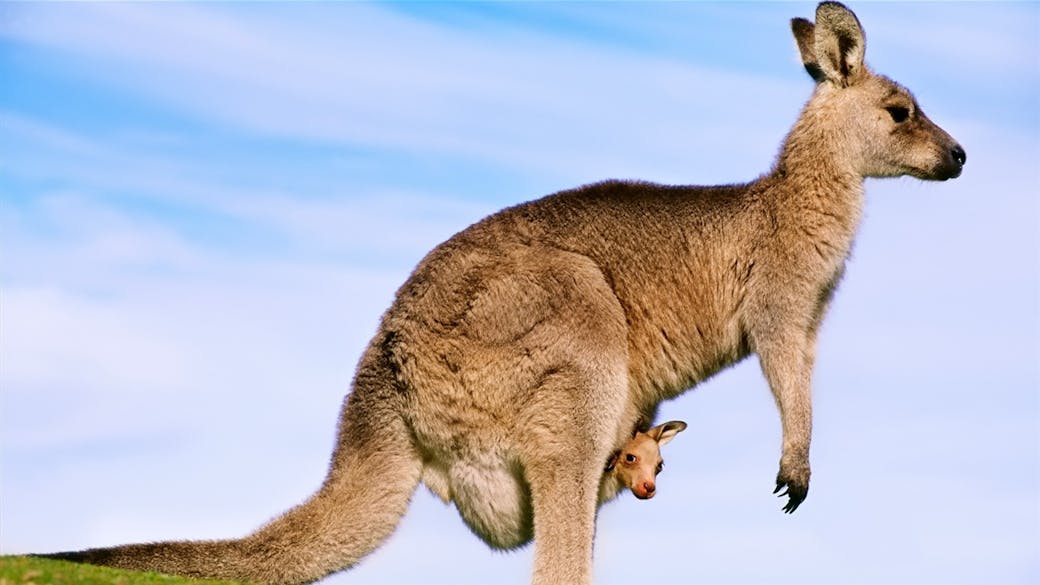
(805, 36)
(839, 44)
(665, 432)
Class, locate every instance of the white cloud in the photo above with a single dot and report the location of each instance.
(350, 79)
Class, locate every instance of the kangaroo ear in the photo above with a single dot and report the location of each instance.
(665, 432)
(805, 36)
(839, 44)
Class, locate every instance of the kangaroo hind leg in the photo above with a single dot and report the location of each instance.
(571, 432)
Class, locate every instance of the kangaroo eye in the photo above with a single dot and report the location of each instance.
(899, 114)
(630, 458)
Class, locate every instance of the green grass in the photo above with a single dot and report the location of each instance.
(30, 571)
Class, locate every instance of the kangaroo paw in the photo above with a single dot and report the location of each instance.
(794, 485)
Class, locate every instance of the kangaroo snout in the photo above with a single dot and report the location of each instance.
(945, 159)
(645, 491)
(959, 157)
(950, 154)
(951, 165)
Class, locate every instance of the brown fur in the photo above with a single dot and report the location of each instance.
(521, 352)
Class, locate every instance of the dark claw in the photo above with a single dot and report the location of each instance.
(796, 494)
(792, 504)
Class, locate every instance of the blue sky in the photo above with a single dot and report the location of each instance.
(206, 207)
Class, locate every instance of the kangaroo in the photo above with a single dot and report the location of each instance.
(520, 353)
(637, 464)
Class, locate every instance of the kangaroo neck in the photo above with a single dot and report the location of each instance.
(814, 172)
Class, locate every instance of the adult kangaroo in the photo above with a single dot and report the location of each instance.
(523, 351)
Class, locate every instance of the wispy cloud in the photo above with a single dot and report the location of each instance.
(344, 76)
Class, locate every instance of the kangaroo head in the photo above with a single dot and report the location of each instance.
(860, 118)
(637, 464)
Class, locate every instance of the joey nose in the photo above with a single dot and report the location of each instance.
(649, 487)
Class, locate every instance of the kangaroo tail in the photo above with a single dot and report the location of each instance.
(375, 470)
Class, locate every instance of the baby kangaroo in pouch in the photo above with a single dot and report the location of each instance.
(520, 353)
(637, 464)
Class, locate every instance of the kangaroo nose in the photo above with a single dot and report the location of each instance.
(959, 155)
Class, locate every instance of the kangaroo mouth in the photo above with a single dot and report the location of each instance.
(947, 170)
(951, 174)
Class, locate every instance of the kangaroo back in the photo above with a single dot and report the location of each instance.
(373, 475)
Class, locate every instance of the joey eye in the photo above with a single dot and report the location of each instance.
(660, 466)
(899, 114)
(630, 458)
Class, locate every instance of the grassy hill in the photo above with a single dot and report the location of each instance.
(30, 571)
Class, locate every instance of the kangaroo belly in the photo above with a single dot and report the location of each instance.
(490, 494)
